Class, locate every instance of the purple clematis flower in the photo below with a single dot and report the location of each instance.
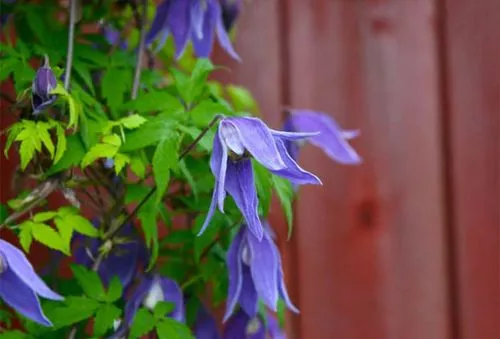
(242, 326)
(195, 20)
(230, 12)
(151, 290)
(205, 326)
(332, 139)
(20, 286)
(122, 261)
(236, 140)
(112, 35)
(255, 271)
(43, 84)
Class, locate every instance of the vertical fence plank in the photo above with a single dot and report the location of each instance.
(472, 42)
(372, 240)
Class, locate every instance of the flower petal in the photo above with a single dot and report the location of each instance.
(219, 157)
(248, 296)
(205, 326)
(179, 23)
(222, 35)
(235, 271)
(293, 171)
(273, 328)
(18, 263)
(236, 326)
(257, 139)
(241, 186)
(332, 139)
(203, 42)
(281, 285)
(21, 297)
(197, 13)
(121, 262)
(264, 268)
(159, 21)
(173, 293)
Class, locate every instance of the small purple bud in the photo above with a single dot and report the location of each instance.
(45, 81)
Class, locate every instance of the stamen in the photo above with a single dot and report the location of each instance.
(253, 326)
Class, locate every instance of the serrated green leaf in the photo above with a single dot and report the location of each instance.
(104, 318)
(44, 216)
(285, 195)
(115, 290)
(162, 308)
(132, 121)
(143, 323)
(120, 161)
(89, 281)
(44, 135)
(154, 101)
(25, 237)
(49, 237)
(138, 167)
(99, 151)
(30, 142)
(65, 230)
(61, 143)
(112, 139)
(171, 329)
(74, 310)
(14, 131)
(149, 133)
(81, 225)
(115, 84)
(72, 156)
(164, 159)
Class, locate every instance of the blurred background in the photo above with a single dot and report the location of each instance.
(407, 245)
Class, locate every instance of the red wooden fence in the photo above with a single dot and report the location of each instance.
(408, 244)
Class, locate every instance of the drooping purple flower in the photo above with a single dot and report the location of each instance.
(20, 286)
(150, 291)
(332, 139)
(205, 326)
(43, 84)
(122, 261)
(112, 35)
(242, 326)
(255, 272)
(236, 140)
(195, 20)
(230, 12)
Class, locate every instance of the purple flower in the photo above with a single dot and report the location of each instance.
(151, 290)
(230, 12)
(113, 36)
(20, 286)
(43, 84)
(205, 326)
(331, 139)
(122, 261)
(236, 140)
(255, 272)
(242, 326)
(195, 20)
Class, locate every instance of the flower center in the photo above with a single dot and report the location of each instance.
(238, 157)
(155, 294)
(3, 264)
(245, 255)
(253, 326)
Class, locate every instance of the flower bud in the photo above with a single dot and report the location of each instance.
(45, 81)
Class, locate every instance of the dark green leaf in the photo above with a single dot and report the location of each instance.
(143, 323)
(149, 133)
(162, 308)
(115, 290)
(152, 102)
(76, 309)
(285, 194)
(72, 156)
(165, 158)
(104, 318)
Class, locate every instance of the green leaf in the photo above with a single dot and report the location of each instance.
(138, 167)
(84, 73)
(194, 132)
(25, 237)
(14, 131)
(44, 135)
(72, 156)
(115, 84)
(44, 216)
(65, 230)
(99, 151)
(115, 290)
(112, 139)
(263, 183)
(143, 323)
(81, 225)
(171, 329)
(164, 159)
(148, 216)
(132, 121)
(285, 194)
(149, 133)
(30, 142)
(162, 308)
(189, 178)
(76, 309)
(15, 334)
(61, 143)
(49, 237)
(155, 101)
(241, 98)
(104, 318)
(3, 213)
(120, 161)
(89, 281)
(205, 112)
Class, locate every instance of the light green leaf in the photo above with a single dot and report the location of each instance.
(72, 156)
(149, 133)
(81, 225)
(194, 132)
(241, 98)
(89, 281)
(115, 83)
(30, 142)
(115, 290)
(44, 216)
(120, 161)
(76, 309)
(285, 194)
(49, 237)
(138, 167)
(65, 230)
(164, 159)
(44, 135)
(99, 151)
(61, 143)
(14, 131)
(25, 237)
(104, 318)
(143, 323)
(112, 139)
(132, 121)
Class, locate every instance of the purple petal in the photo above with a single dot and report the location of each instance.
(222, 35)
(18, 295)
(284, 135)
(236, 326)
(264, 268)
(293, 171)
(136, 299)
(234, 267)
(18, 263)
(273, 328)
(332, 139)
(211, 210)
(173, 293)
(203, 42)
(248, 296)
(159, 21)
(205, 326)
(257, 139)
(179, 24)
(281, 285)
(121, 262)
(197, 12)
(241, 186)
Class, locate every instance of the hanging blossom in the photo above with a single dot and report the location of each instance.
(236, 141)
(20, 286)
(205, 326)
(332, 139)
(150, 291)
(230, 12)
(255, 272)
(43, 84)
(195, 20)
(122, 261)
(240, 325)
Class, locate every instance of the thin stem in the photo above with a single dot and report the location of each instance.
(142, 23)
(71, 40)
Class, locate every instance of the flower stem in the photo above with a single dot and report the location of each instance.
(141, 24)
(71, 40)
